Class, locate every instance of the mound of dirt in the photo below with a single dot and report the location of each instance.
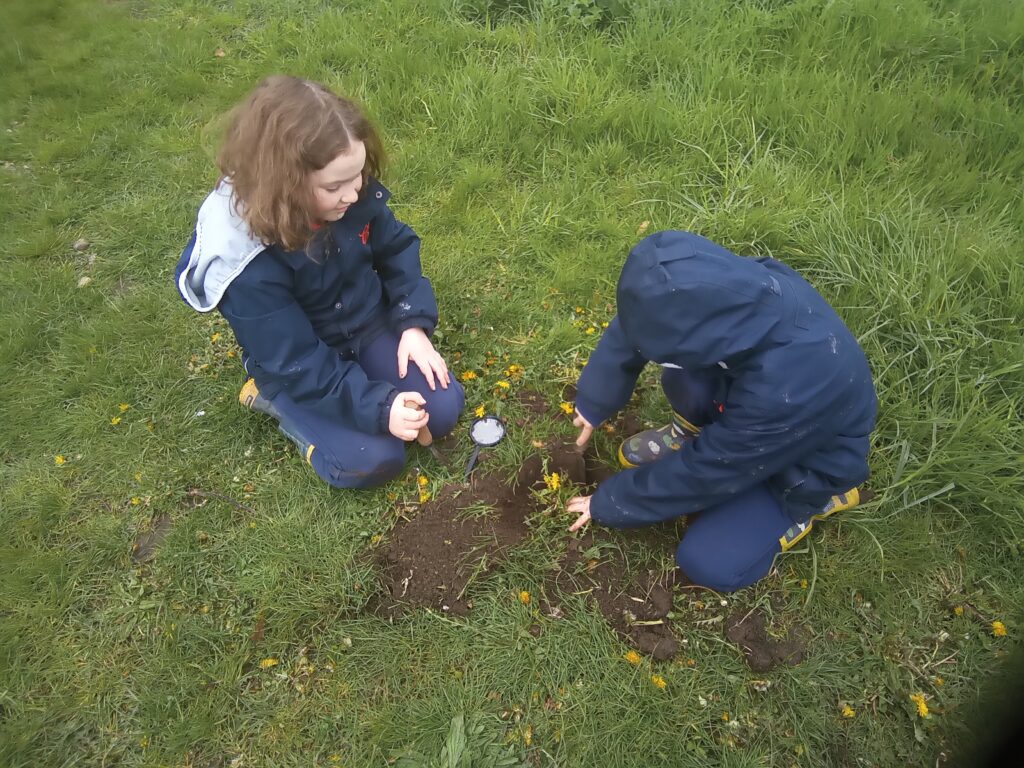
(747, 629)
(466, 531)
(430, 560)
(636, 605)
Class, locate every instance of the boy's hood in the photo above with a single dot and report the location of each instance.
(221, 247)
(687, 301)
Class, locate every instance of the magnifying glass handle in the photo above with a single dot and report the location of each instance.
(423, 437)
(472, 461)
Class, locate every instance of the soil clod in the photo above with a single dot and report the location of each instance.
(747, 629)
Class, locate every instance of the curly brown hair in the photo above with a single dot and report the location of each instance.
(283, 131)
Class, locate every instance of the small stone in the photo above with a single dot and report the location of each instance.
(81, 244)
(84, 281)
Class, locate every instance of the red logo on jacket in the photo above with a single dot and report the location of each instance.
(365, 234)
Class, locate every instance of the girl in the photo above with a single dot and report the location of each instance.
(298, 249)
(772, 401)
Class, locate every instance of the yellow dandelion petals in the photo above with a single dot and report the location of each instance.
(604, 325)
(124, 407)
(566, 407)
(116, 420)
(524, 597)
(215, 338)
(919, 702)
(424, 497)
(422, 481)
(691, 662)
(659, 681)
(479, 411)
(467, 375)
(579, 310)
(504, 384)
(231, 353)
(998, 629)
(590, 330)
(528, 735)
(847, 711)
(268, 663)
(632, 657)
(136, 501)
(803, 583)
(725, 717)
(375, 539)
(553, 481)
(939, 681)
(59, 459)
(958, 610)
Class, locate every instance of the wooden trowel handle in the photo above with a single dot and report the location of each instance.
(423, 437)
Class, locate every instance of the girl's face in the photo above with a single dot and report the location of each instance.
(336, 186)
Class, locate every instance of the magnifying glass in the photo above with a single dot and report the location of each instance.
(485, 433)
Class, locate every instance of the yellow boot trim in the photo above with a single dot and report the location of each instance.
(623, 461)
(685, 423)
(249, 393)
(309, 454)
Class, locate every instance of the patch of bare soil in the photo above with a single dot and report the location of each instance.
(748, 630)
(468, 530)
(635, 604)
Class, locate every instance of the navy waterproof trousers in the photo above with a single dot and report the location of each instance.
(347, 458)
(731, 545)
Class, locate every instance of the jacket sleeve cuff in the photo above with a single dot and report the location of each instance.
(384, 415)
(423, 323)
(592, 413)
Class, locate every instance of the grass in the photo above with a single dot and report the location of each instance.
(875, 147)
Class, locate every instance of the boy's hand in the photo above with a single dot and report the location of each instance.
(414, 345)
(586, 430)
(405, 422)
(581, 506)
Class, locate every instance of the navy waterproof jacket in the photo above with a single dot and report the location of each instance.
(302, 316)
(797, 400)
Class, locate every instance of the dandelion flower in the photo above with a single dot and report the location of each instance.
(922, 706)
(424, 496)
(579, 310)
(725, 717)
(59, 459)
(116, 420)
(659, 681)
(524, 597)
(467, 375)
(479, 411)
(939, 681)
(847, 711)
(215, 338)
(590, 330)
(422, 481)
(553, 481)
(268, 663)
(504, 384)
(958, 610)
(604, 325)
(998, 629)
(528, 735)
(632, 657)
(124, 407)
(136, 501)
(803, 583)
(566, 407)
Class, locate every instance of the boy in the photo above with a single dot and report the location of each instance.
(772, 407)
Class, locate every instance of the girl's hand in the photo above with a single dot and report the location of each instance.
(405, 422)
(586, 430)
(414, 345)
(581, 506)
